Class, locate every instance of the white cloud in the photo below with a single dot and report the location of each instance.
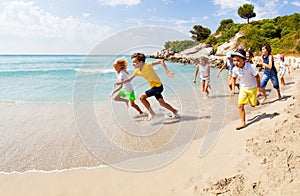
(167, 2)
(296, 3)
(85, 15)
(26, 21)
(114, 3)
(229, 4)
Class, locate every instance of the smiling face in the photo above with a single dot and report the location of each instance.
(136, 63)
(239, 61)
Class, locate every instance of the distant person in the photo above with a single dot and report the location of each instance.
(204, 70)
(249, 83)
(145, 70)
(270, 72)
(283, 67)
(229, 65)
(250, 56)
(125, 92)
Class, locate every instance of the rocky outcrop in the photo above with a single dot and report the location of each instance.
(232, 45)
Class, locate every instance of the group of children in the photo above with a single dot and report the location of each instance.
(145, 70)
(239, 64)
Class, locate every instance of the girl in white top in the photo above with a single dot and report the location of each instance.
(283, 66)
(125, 91)
(204, 70)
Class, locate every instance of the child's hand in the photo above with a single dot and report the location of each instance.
(194, 81)
(171, 75)
(231, 93)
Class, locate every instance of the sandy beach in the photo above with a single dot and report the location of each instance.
(261, 159)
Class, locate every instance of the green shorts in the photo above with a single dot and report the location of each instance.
(125, 94)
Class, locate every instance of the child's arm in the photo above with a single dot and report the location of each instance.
(116, 90)
(232, 85)
(269, 66)
(258, 84)
(125, 81)
(162, 62)
(220, 70)
(196, 73)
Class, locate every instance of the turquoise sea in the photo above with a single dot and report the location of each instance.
(51, 78)
(38, 131)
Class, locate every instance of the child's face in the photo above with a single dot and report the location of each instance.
(264, 51)
(202, 62)
(238, 61)
(117, 67)
(136, 63)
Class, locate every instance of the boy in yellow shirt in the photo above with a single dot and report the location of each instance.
(146, 71)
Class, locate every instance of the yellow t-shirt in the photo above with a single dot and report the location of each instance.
(149, 74)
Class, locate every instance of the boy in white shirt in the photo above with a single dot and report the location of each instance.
(249, 83)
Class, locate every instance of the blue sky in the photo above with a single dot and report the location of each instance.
(76, 27)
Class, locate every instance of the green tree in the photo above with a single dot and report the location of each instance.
(224, 23)
(246, 11)
(200, 33)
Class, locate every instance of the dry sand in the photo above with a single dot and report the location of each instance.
(262, 159)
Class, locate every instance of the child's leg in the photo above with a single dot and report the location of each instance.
(206, 87)
(119, 98)
(229, 82)
(202, 86)
(132, 103)
(167, 106)
(242, 116)
(143, 99)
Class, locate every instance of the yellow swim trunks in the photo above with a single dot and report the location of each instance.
(248, 94)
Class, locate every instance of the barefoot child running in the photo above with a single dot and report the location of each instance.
(249, 83)
(126, 90)
(283, 67)
(204, 70)
(145, 69)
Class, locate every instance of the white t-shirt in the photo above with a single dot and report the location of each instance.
(123, 76)
(247, 75)
(203, 71)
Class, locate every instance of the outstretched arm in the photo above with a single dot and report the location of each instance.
(125, 81)
(116, 90)
(162, 62)
(221, 69)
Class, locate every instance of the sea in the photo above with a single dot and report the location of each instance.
(62, 79)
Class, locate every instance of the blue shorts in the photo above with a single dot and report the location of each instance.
(155, 91)
(265, 79)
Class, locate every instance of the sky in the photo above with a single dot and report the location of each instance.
(79, 26)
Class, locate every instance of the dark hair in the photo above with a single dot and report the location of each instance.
(239, 52)
(268, 47)
(139, 56)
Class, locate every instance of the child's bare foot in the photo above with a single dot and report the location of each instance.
(257, 102)
(150, 116)
(240, 127)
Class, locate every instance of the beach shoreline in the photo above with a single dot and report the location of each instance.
(240, 162)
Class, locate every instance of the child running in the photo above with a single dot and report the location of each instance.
(270, 72)
(145, 70)
(204, 70)
(126, 90)
(249, 83)
(229, 64)
(283, 67)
